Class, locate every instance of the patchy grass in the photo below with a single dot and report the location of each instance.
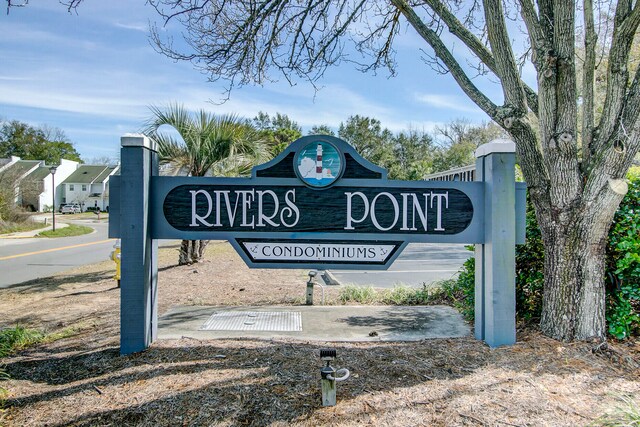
(442, 292)
(3, 391)
(12, 340)
(71, 230)
(626, 414)
(357, 294)
(84, 215)
(19, 227)
(18, 338)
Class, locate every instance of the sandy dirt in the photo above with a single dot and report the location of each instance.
(82, 380)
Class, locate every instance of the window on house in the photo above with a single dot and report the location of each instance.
(70, 187)
(84, 187)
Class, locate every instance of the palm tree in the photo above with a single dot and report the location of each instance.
(204, 144)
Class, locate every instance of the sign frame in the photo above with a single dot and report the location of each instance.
(498, 211)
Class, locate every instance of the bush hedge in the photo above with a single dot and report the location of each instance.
(622, 269)
(623, 265)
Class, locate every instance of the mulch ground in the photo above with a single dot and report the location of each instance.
(82, 379)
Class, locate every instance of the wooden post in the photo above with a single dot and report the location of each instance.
(138, 291)
(495, 304)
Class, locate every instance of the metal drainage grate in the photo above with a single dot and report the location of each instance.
(282, 321)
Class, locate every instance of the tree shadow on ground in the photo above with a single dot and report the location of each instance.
(45, 284)
(430, 322)
(251, 382)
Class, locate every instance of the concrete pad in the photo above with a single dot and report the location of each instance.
(327, 323)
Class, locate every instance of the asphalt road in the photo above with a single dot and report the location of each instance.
(26, 259)
(419, 263)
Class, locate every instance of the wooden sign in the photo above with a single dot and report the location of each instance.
(318, 197)
(352, 210)
(317, 205)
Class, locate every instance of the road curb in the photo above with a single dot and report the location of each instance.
(31, 234)
(329, 278)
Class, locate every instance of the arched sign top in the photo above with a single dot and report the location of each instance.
(338, 160)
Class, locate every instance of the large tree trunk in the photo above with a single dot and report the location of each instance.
(191, 251)
(575, 242)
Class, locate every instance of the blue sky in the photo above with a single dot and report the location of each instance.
(93, 74)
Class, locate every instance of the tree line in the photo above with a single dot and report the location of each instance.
(35, 143)
(407, 155)
(205, 144)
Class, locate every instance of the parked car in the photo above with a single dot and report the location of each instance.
(71, 209)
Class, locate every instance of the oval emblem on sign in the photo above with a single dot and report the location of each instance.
(319, 164)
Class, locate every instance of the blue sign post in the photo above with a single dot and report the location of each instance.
(319, 204)
(495, 278)
(139, 253)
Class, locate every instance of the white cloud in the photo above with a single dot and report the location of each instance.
(135, 26)
(446, 102)
(61, 101)
(14, 78)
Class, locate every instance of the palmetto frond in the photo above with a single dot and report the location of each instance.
(204, 142)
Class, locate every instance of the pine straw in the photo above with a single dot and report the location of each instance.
(82, 380)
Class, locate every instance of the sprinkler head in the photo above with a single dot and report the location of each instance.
(327, 354)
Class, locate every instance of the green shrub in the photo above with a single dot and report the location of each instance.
(623, 269)
(529, 271)
(623, 265)
(466, 283)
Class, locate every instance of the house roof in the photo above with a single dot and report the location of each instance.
(86, 174)
(19, 168)
(39, 174)
(105, 173)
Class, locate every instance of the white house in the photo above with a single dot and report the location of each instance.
(31, 180)
(63, 171)
(89, 186)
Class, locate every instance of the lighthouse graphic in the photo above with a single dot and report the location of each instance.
(318, 164)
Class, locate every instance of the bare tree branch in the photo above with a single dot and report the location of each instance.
(506, 68)
(588, 71)
(447, 58)
(246, 41)
(626, 24)
(530, 18)
(71, 5)
(12, 3)
(631, 111)
(458, 29)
